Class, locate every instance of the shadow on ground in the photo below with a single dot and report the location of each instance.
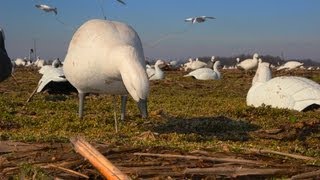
(220, 127)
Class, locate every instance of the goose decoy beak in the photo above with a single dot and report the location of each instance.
(142, 105)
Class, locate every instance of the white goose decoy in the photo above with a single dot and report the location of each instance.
(40, 62)
(5, 62)
(156, 73)
(50, 74)
(107, 57)
(206, 73)
(249, 64)
(290, 65)
(290, 92)
(47, 8)
(198, 19)
(211, 62)
(56, 63)
(20, 62)
(197, 64)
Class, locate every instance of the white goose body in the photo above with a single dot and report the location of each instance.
(290, 65)
(290, 92)
(194, 64)
(249, 64)
(107, 57)
(206, 73)
(156, 73)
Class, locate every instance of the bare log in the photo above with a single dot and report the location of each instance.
(296, 156)
(102, 164)
(233, 171)
(67, 170)
(232, 160)
(313, 174)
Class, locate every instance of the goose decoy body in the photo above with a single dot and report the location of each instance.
(289, 92)
(107, 57)
(206, 73)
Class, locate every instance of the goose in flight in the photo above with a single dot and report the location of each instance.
(198, 19)
(122, 2)
(47, 8)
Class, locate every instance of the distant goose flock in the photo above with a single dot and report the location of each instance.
(107, 57)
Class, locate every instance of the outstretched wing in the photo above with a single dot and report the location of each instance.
(189, 20)
(209, 17)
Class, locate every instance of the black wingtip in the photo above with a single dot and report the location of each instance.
(122, 2)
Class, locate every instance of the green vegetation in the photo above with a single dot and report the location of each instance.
(185, 114)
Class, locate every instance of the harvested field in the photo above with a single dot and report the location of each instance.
(196, 130)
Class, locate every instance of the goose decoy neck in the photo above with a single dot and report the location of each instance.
(5, 63)
(2, 46)
(263, 73)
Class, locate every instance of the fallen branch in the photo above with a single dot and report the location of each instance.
(233, 171)
(103, 165)
(308, 175)
(67, 170)
(296, 156)
(232, 160)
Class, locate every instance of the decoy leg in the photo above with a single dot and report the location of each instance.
(123, 107)
(32, 94)
(115, 113)
(81, 103)
(14, 79)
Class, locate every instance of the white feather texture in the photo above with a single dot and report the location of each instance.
(290, 92)
(50, 74)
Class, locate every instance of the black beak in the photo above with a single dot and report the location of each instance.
(142, 105)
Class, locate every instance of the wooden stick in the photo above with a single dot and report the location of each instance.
(102, 164)
(68, 171)
(32, 94)
(232, 160)
(308, 175)
(233, 171)
(296, 156)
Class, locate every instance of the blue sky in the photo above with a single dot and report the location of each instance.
(269, 27)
